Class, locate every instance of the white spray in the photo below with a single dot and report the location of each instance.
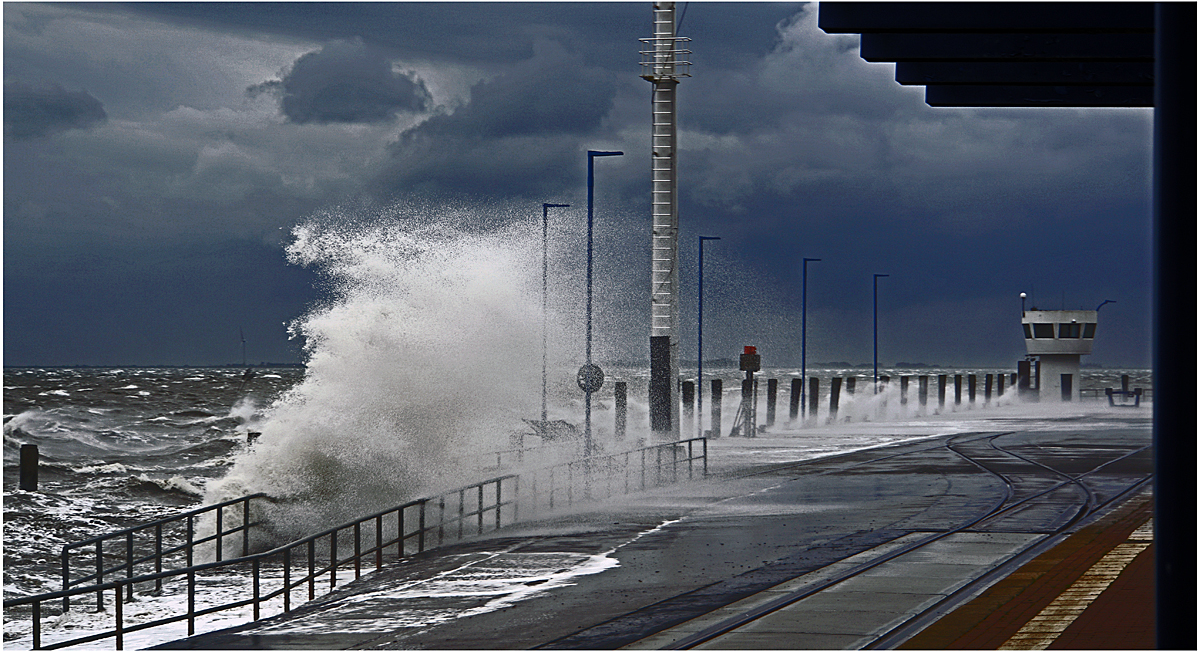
(427, 348)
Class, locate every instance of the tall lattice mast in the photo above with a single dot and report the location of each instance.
(663, 63)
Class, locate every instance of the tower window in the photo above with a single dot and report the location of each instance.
(1028, 333)
(1043, 331)
(1089, 330)
(1068, 331)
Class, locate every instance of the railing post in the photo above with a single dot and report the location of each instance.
(287, 580)
(441, 520)
(100, 575)
(129, 564)
(499, 502)
(480, 530)
(312, 569)
(400, 533)
(245, 527)
(66, 573)
(191, 599)
(220, 533)
(120, 629)
(158, 544)
(421, 530)
(357, 549)
(37, 625)
(333, 559)
(378, 541)
(254, 572)
(462, 511)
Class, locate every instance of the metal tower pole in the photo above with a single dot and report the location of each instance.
(662, 67)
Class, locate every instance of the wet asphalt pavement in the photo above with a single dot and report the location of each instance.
(631, 569)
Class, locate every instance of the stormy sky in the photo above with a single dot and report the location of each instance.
(157, 156)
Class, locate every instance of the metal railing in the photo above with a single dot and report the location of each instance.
(156, 543)
(600, 477)
(411, 528)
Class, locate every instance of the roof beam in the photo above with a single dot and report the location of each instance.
(983, 17)
(1026, 73)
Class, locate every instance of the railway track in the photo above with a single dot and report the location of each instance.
(1015, 469)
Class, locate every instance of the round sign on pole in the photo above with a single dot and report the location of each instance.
(590, 378)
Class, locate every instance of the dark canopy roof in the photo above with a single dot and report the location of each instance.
(1009, 54)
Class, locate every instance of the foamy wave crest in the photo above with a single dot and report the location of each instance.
(428, 347)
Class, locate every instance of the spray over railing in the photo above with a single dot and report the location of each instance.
(293, 573)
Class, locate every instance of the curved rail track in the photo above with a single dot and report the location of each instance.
(1088, 503)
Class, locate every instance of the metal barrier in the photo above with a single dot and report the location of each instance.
(411, 528)
(134, 545)
(600, 477)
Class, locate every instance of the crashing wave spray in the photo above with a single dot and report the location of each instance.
(423, 351)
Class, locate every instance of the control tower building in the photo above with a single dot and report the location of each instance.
(1055, 340)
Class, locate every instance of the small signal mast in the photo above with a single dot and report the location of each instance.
(663, 63)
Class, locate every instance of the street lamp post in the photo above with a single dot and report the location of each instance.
(545, 294)
(587, 428)
(804, 331)
(700, 338)
(876, 302)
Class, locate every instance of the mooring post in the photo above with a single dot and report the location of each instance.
(903, 390)
(850, 381)
(29, 467)
(688, 396)
(620, 401)
(987, 389)
(1124, 382)
(942, 391)
(971, 382)
(772, 388)
(957, 389)
(882, 388)
(794, 399)
(999, 385)
(835, 388)
(923, 392)
(814, 386)
(1023, 382)
(715, 426)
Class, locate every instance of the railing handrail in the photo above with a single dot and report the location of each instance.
(163, 521)
(401, 540)
(142, 579)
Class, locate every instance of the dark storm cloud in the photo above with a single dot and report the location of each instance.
(518, 133)
(36, 111)
(346, 82)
